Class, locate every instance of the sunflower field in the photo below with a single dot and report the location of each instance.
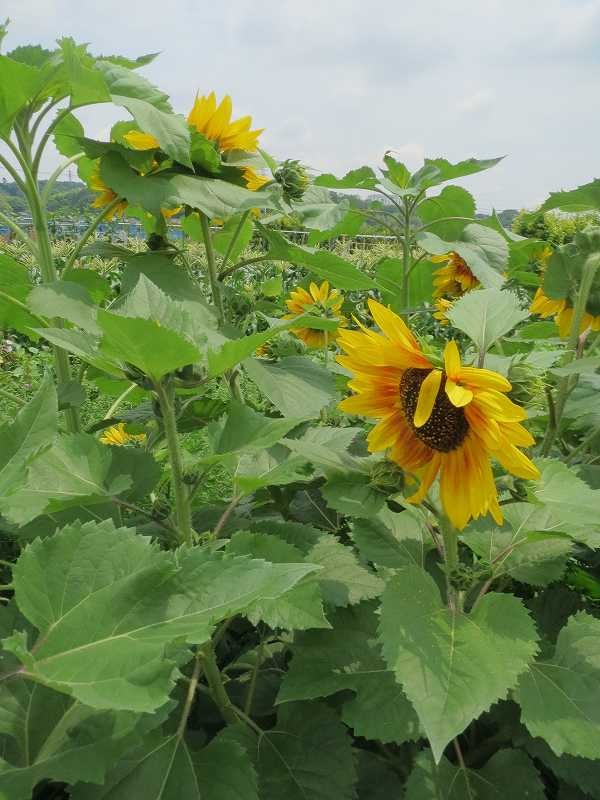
(393, 591)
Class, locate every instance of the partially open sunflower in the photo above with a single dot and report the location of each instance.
(451, 420)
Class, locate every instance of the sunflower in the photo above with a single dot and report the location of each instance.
(320, 299)
(562, 311)
(449, 421)
(117, 435)
(453, 280)
(442, 307)
(215, 123)
(138, 140)
(105, 195)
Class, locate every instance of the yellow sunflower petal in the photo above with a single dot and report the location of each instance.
(427, 478)
(141, 141)
(452, 360)
(458, 395)
(427, 395)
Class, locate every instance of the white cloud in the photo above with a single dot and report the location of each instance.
(338, 83)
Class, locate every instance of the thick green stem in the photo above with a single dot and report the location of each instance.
(566, 385)
(450, 539)
(212, 269)
(49, 275)
(165, 394)
(215, 683)
(234, 239)
(406, 260)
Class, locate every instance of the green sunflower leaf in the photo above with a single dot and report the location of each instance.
(487, 315)
(106, 603)
(220, 771)
(453, 201)
(307, 754)
(348, 658)
(560, 696)
(297, 386)
(496, 780)
(583, 198)
(451, 666)
(361, 178)
(15, 286)
(323, 263)
(438, 170)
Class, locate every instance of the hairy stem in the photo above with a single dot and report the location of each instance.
(212, 269)
(566, 385)
(216, 686)
(165, 394)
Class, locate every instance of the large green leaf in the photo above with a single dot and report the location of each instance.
(438, 170)
(47, 735)
(18, 84)
(343, 580)
(246, 430)
(348, 658)
(170, 130)
(386, 546)
(145, 344)
(487, 315)
(214, 197)
(297, 386)
(66, 300)
(349, 225)
(452, 666)
(107, 602)
(560, 696)
(234, 351)
(496, 780)
(124, 83)
(361, 178)
(34, 428)
(323, 263)
(307, 754)
(581, 772)
(583, 198)
(15, 286)
(167, 768)
(483, 249)
(527, 555)
(76, 470)
(572, 503)
(298, 609)
(317, 211)
(453, 201)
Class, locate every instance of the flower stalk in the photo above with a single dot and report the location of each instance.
(165, 394)
(568, 383)
(213, 278)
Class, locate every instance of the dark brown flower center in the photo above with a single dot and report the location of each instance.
(446, 428)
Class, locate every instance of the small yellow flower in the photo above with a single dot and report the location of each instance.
(442, 306)
(262, 350)
(453, 280)
(320, 299)
(449, 421)
(117, 435)
(215, 123)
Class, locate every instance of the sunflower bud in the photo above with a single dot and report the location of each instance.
(293, 179)
(387, 477)
(527, 385)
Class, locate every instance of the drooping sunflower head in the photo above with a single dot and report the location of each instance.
(562, 310)
(118, 436)
(319, 300)
(214, 121)
(453, 280)
(105, 195)
(442, 307)
(449, 420)
(293, 179)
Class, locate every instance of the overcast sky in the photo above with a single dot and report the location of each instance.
(338, 82)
